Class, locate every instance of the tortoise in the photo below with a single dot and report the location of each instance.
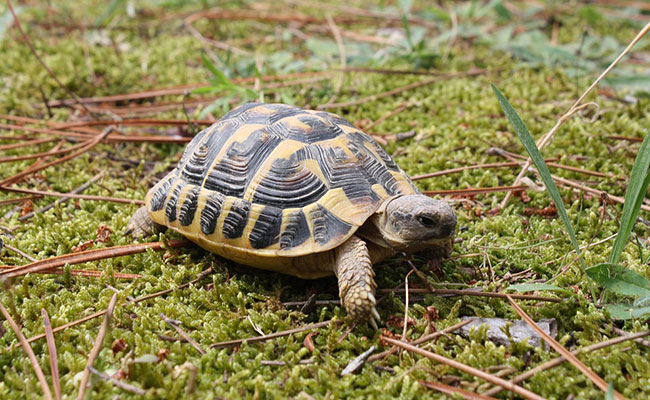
(300, 192)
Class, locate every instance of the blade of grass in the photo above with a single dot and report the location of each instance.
(636, 190)
(528, 142)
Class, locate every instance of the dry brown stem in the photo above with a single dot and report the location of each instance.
(40, 60)
(182, 333)
(475, 191)
(525, 393)
(257, 339)
(420, 340)
(94, 352)
(77, 190)
(559, 360)
(86, 273)
(88, 145)
(72, 195)
(576, 107)
(30, 353)
(451, 390)
(28, 143)
(597, 380)
(87, 256)
(51, 348)
(393, 92)
(469, 292)
(138, 300)
(178, 90)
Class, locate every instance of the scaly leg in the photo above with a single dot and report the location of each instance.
(353, 269)
(141, 224)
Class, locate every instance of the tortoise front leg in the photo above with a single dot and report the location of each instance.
(353, 269)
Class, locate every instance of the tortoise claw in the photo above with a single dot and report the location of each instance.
(374, 324)
(375, 315)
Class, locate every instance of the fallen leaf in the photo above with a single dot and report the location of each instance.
(27, 207)
(118, 346)
(103, 233)
(119, 374)
(162, 354)
(83, 246)
(432, 313)
(309, 342)
(398, 322)
(385, 332)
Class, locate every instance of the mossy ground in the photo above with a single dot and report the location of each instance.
(456, 122)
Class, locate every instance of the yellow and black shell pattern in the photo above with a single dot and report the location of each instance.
(276, 180)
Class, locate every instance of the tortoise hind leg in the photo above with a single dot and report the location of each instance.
(353, 268)
(141, 224)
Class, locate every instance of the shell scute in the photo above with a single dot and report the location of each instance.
(210, 212)
(266, 231)
(236, 219)
(234, 170)
(289, 183)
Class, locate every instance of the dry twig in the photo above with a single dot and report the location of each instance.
(138, 300)
(51, 348)
(86, 273)
(60, 201)
(175, 324)
(384, 117)
(178, 90)
(576, 107)
(525, 393)
(97, 346)
(257, 339)
(28, 143)
(421, 340)
(339, 44)
(86, 256)
(471, 292)
(40, 60)
(475, 191)
(122, 385)
(30, 353)
(597, 380)
(559, 360)
(20, 252)
(88, 145)
(72, 195)
(393, 92)
(451, 390)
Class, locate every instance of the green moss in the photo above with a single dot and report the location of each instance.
(456, 122)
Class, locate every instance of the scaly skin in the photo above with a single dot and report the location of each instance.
(140, 223)
(353, 268)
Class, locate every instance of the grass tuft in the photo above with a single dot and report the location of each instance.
(528, 142)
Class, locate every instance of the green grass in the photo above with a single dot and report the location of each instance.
(456, 122)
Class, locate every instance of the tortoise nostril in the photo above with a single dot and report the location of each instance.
(449, 225)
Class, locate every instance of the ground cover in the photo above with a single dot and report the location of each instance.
(542, 58)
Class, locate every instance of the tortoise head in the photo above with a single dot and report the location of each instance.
(416, 222)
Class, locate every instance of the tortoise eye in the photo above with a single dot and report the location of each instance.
(427, 221)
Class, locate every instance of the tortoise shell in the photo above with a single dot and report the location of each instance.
(276, 180)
